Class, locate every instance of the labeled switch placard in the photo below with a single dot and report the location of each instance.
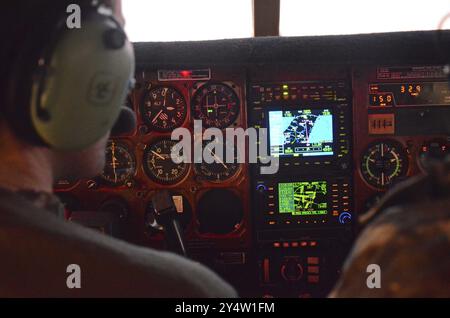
(381, 124)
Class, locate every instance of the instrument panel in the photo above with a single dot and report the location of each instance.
(405, 111)
(343, 135)
(139, 164)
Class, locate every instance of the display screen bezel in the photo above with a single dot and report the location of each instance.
(304, 215)
(290, 106)
(302, 154)
(303, 219)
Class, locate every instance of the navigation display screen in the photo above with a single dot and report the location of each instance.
(301, 132)
(303, 198)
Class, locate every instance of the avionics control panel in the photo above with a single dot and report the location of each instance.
(303, 214)
(304, 202)
(308, 126)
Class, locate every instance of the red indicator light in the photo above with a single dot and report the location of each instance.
(185, 73)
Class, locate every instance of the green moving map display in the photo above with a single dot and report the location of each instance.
(303, 198)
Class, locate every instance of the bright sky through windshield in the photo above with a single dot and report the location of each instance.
(187, 20)
(321, 17)
(190, 20)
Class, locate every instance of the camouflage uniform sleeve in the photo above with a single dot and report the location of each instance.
(411, 246)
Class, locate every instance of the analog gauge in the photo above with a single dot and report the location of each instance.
(219, 211)
(383, 163)
(160, 167)
(120, 164)
(216, 105)
(116, 206)
(434, 150)
(163, 109)
(220, 169)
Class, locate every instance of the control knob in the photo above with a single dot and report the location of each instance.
(345, 218)
(291, 270)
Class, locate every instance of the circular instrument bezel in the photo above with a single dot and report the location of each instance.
(206, 89)
(202, 169)
(221, 220)
(156, 123)
(400, 152)
(428, 146)
(129, 176)
(184, 171)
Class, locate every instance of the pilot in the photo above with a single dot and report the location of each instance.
(61, 91)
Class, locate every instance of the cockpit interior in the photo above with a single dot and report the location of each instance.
(289, 144)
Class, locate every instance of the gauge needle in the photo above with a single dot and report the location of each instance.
(207, 104)
(216, 105)
(158, 155)
(157, 115)
(114, 160)
(217, 158)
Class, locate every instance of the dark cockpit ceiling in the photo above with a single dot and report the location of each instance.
(384, 48)
(235, 225)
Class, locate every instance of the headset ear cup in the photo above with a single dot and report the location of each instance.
(16, 105)
(85, 81)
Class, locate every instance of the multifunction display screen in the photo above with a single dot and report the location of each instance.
(301, 132)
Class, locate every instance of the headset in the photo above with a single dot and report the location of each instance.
(72, 95)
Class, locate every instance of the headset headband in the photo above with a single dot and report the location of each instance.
(75, 89)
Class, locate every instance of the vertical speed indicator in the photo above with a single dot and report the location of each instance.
(220, 169)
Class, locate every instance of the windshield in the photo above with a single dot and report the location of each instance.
(326, 17)
(187, 20)
(190, 20)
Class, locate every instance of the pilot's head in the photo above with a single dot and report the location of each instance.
(66, 71)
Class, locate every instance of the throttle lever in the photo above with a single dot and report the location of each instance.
(166, 216)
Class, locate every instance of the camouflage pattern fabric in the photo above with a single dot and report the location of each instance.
(411, 244)
(408, 237)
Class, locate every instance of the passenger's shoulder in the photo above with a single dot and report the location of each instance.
(159, 274)
(110, 267)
